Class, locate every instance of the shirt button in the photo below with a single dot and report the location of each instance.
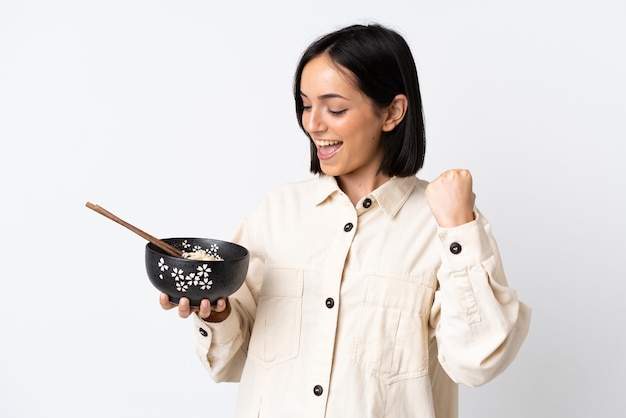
(330, 303)
(203, 332)
(367, 203)
(455, 248)
(348, 227)
(318, 390)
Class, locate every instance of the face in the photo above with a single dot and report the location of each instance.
(343, 123)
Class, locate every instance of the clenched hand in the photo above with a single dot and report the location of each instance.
(451, 198)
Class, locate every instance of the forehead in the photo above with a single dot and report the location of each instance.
(321, 74)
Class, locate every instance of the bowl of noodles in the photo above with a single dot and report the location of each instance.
(208, 269)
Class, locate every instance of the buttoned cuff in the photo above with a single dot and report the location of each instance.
(465, 245)
(217, 332)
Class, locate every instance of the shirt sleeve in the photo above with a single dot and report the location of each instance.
(222, 347)
(478, 321)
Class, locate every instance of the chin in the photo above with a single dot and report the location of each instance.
(331, 171)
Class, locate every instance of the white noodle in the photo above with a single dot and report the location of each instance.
(201, 255)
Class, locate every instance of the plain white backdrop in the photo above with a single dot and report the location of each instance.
(178, 117)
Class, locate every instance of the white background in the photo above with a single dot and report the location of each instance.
(178, 117)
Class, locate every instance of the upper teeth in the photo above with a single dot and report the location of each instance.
(326, 143)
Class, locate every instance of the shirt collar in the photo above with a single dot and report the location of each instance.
(326, 187)
(390, 196)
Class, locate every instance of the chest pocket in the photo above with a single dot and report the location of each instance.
(276, 334)
(392, 339)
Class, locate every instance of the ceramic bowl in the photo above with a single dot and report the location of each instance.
(197, 279)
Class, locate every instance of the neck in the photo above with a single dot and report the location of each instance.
(356, 187)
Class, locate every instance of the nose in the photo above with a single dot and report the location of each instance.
(313, 121)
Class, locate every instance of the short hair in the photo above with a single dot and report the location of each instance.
(382, 66)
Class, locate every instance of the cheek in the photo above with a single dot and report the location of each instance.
(347, 127)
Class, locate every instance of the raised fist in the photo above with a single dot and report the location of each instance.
(451, 198)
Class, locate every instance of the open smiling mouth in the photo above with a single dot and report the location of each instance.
(326, 149)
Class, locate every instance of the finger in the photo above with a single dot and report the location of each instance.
(184, 310)
(164, 301)
(220, 305)
(464, 175)
(205, 309)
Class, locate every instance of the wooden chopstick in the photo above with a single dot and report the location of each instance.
(171, 250)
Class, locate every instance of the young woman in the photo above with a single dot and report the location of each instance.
(370, 292)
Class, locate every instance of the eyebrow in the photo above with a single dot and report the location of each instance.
(326, 96)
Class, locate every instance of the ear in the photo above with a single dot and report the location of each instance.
(395, 112)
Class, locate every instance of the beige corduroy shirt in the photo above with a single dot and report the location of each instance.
(365, 311)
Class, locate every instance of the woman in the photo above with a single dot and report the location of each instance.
(370, 292)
